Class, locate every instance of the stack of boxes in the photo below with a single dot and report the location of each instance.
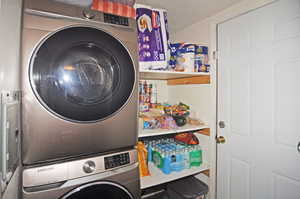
(155, 50)
(189, 58)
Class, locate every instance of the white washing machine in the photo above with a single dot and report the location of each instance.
(113, 176)
(79, 73)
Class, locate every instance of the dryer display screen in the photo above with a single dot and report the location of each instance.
(116, 160)
(113, 19)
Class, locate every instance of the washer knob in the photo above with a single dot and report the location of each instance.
(88, 14)
(89, 167)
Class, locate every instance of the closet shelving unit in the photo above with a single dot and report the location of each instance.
(149, 132)
(174, 78)
(157, 177)
(170, 75)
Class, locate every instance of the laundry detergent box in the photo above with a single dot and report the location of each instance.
(152, 38)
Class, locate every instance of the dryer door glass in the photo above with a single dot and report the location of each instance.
(98, 191)
(82, 74)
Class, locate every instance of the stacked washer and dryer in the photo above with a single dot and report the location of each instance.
(79, 106)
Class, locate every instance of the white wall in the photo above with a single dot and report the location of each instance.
(12, 190)
(200, 32)
(195, 33)
(10, 22)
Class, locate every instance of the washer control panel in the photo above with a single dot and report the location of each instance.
(116, 160)
(53, 173)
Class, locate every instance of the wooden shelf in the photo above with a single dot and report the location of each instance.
(158, 177)
(168, 75)
(185, 128)
(204, 79)
(206, 172)
(205, 131)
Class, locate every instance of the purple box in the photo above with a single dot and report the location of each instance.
(152, 38)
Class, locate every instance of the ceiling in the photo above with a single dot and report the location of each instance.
(182, 13)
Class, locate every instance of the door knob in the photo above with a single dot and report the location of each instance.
(220, 140)
(222, 124)
(298, 147)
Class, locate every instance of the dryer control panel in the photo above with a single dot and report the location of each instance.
(114, 19)
(116, 160)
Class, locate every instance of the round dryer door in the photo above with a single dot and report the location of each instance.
(100, 190)
(82, 74)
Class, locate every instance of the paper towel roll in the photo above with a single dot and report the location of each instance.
(189, 62)
(186, 58)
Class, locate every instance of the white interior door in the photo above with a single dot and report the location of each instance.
(259, 100)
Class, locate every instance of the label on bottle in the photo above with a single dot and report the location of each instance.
(196, 158)
(157, 159)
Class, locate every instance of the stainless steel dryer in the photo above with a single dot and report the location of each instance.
(79, 73)
(113, 176)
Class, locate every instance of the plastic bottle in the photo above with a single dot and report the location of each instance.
(149, 149)
(166, 163)
(157, 159)
(176, 161)
(153, 96)
(186, 158)
(196, 156)
(199, 148)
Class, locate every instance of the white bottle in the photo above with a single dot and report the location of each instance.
(186, 158)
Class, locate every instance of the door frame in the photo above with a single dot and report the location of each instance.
(223, 16)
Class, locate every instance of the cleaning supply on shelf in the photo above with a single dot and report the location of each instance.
(195, 156)
(157, 158)
(142, 157)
